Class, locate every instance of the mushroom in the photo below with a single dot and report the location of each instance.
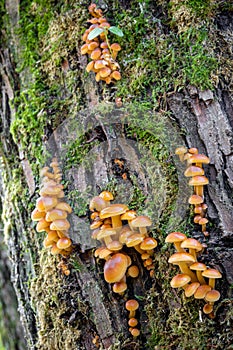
(46, 203)
(142, 222)
(107, 196)
(55, 214)
(180, 151)
(60, 225)
(180, 280)
(106, 234)
(129, 216)
(193, 246)
(64, 243)
(133, 271)
(115, 49)
(148, 243)
(131, 305)
(182, 260)
(203, 222)
(115, 268)
(114, 211)
(199, 159)
(199, 182)
(119, 287)
(212, 274)
(176, 238)
(132, 322)
(193, 170)
(211, 297)
(135, 332)
(199, 268)
(97, 203)
(191, 289)
(201, 291)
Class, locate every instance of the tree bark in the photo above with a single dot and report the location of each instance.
(80, 311)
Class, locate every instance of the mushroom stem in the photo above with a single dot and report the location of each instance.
(193, 253)
(212, 283)
(199, 190)
(116, 222)
(107, 240)
(130, 225)
(185, 269)
(143, 231)
(138, 249)
(178, 247)
(200, 277)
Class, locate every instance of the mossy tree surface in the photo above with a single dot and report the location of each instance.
(177, 67)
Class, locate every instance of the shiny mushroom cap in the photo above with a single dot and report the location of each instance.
(198, 181)
(141, 221)
(174, 237)
(113, 210)
(129, 215)
(195, 199)
(148, 243)
(131, 305)
(134, 240)
(198, 266)
(180, 280)
(212, 296)
(192, 243)
(201, 291)
(60, 225)
(211, 273)
(199, 158)
(181, 257)
(115, 268)
(191, 289)
(97, 203)
(193, 170)
(106, 195)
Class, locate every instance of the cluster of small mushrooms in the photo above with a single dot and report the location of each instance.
(103, 55)
(195, 170)
(195, 278)
(117, 227)
(51, 213)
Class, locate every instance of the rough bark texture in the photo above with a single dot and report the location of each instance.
(80, 311)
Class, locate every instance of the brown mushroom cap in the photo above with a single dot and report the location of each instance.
(135, 332)
(132, 322)
(46, 203)
(201, 291)
(180, 280)
(198, 181)
(115, 47)
(113, 210)
(55, 214)
(181, 257)
(148, 243)
(211, 273)
(42, 225)
(193, 170)
(174, 237)
(207, 308)
(199, 158)
(180, 150)
(192, 243)
(134, 240)
(203, 221)
(141, 221)
(115, 268)
(114, 246)
(133, 271)
(97, 203)
(212, 296)
(129, 215)
(191, 289)
(60, 225)
(64, 243)
(195, 199)
(50, 191)
(119, 287)
(36, 215)
(106, 195)
(131, 305)
(64, 206)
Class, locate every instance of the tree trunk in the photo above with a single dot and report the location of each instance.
(176, 89)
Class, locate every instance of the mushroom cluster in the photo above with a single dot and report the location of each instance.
(51, 212)
(198, 180)
(195, 278)
(102, 54)
(116, 227)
